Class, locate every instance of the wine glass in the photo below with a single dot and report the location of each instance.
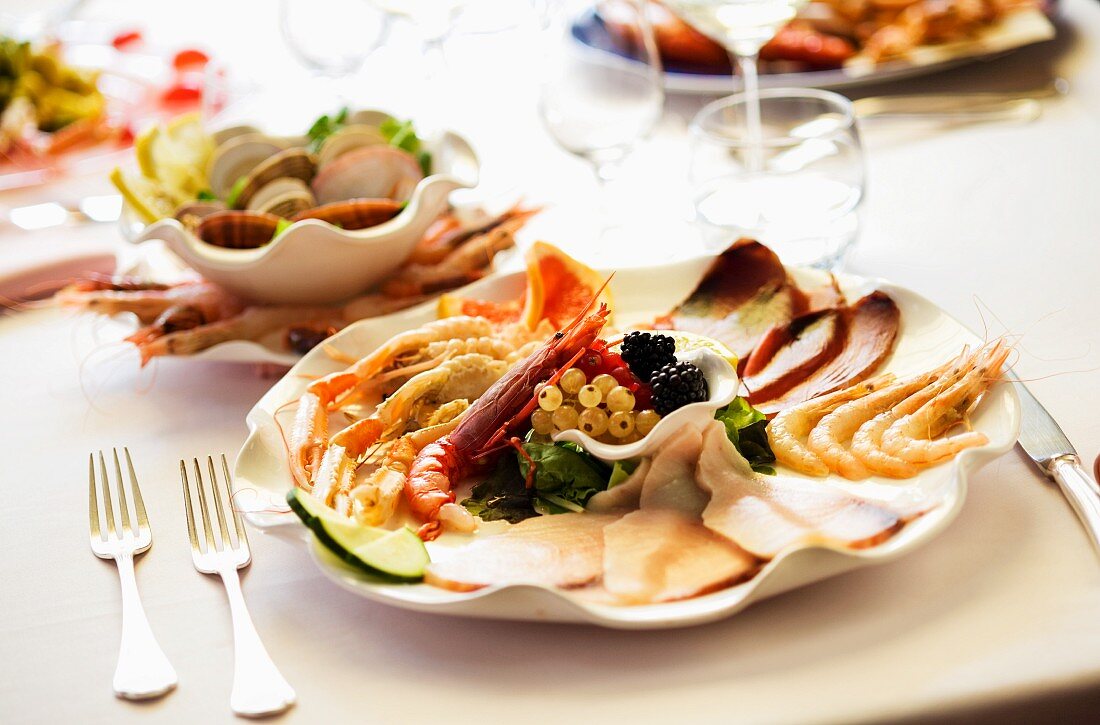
(332, 38)
(798, 185)
(743, 27)
(598, 106)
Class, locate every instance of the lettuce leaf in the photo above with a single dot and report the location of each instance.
(503, 496)
(324, 127)
(746, 429)
(564, 473)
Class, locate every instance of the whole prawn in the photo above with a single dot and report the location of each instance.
(443, 462)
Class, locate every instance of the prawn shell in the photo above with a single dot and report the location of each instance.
(354, 213)
(238, 229)
(293, 163)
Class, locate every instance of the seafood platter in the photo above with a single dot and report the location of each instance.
(830, 43)
(567, 444)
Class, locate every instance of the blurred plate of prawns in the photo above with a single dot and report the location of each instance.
(180, 315)
(275, 454)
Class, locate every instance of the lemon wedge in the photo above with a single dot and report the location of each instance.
(145, 196)
(688, 341)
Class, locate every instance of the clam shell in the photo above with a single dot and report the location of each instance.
(236, 158)
(191, 213)
(238, 229)
(348, 139)
(293, 163)
(354, 213)
(369, 118)
(284, 197)
(374, 172)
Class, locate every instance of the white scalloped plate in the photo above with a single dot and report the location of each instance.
(928, 336)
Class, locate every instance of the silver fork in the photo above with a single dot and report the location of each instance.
(142, 671)
(258, 687)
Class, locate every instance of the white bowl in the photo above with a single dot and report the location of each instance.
(314, 262)
(722, 383)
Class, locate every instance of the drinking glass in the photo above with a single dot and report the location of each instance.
(595, 105)
(743, 27)
(797, 187)
(332, 38)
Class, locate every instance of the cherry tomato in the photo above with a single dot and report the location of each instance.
(190, 58)
(181, 92)
(126, 39)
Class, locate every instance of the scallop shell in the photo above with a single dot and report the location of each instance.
(238, 229)
(285, 197)
(374, 172)
(235, 158)
(354, 213)
(294, 163)
(348, 139)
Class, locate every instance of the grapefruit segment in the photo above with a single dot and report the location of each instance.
(559, 287)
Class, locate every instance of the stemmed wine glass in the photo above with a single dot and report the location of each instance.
(743, 27)
(332, 38)
(595, 105)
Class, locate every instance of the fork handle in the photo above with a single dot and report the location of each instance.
(142, 671)
(258, 686)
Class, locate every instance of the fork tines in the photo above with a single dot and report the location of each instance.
(223, 497)
(104, 486)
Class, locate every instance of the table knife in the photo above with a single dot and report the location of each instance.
(1047, 445)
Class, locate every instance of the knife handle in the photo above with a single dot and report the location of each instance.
(1083, 493)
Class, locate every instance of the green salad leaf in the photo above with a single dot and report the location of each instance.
(503, 495)
(746, 429)
(620, 472)
(402, 135)
(206, 195)
(565, 475)
(235, 192)
(324, 127)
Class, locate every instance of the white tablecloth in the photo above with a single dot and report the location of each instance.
(996, 223)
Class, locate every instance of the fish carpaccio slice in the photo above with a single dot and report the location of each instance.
(564, 550)
(787, 354)
(869, 326)
(766, 514)
(658, 555)
(665, 481)
(745, 292)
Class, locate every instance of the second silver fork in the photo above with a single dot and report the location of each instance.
(258, 686)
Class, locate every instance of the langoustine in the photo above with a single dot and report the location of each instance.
(440, 464)
(188, 317)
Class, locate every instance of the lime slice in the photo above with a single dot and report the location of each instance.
(146, 197)
(687, 341)
(398, 555)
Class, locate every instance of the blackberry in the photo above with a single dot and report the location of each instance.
(677, 384)
(647, 352)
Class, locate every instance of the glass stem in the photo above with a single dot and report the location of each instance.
(754, 158)
(605, 171)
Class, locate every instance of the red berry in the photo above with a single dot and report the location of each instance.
(190, 58)
(125, 40)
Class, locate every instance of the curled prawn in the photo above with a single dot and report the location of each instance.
(915, 439)
(787, 432)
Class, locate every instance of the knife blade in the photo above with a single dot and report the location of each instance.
(1043, 440)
